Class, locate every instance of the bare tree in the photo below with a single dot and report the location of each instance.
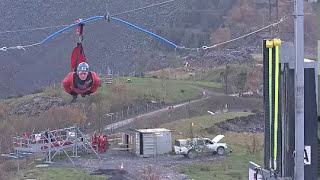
(253, 145)
(98, 114)
(163, 77)
(241, 82)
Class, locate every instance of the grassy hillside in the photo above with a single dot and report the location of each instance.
(172, 86)
(172, 91)
(199, 74)
(239, 77)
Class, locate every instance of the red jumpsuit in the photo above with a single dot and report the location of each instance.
(73, 85)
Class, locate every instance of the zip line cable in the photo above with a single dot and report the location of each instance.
(52, 35)
(148, 32)
(240, 37)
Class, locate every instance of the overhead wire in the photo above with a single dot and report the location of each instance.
(34, 29)
(240, 37)
(138, 9)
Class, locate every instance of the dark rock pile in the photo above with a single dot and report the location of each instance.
(251, 124)
(37, 106)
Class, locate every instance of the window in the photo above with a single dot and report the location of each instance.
(200, 142)
(207, 141)
(177, 143)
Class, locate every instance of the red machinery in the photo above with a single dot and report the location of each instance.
(98, 142)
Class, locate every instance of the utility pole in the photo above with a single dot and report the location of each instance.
(226, 79)
(299, 90)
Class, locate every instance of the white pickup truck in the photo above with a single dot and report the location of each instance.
(191, 147)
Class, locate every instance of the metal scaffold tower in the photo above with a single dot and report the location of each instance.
(53, 141)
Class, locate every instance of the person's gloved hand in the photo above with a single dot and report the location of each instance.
(86, 93)
(74, 97)
(73, 93)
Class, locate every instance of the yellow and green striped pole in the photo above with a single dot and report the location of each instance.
(276, 43)
(269, 45)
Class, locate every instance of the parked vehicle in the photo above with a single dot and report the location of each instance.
(192, 147)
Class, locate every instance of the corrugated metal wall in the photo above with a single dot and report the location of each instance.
(137, 143)
(163, 141)
(152, 143)
(149, 144)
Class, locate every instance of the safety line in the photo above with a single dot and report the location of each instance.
(148, 32)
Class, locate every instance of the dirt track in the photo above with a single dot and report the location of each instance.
(212, 102)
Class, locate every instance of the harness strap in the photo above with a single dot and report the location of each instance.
(79, 31)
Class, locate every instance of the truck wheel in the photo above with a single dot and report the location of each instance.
(184, 155)
(220, 150)
(192, 154)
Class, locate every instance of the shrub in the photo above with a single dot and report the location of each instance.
(150, 174)
(253, 145)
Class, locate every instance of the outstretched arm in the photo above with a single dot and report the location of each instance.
(96, 82)
(67, 82)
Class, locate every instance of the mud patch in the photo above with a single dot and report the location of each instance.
(250, 124)
(116, 174)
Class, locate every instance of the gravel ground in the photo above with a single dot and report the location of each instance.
(134, 167)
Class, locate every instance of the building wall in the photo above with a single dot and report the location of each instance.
(137, 143)
(163, 142)
(149, 144)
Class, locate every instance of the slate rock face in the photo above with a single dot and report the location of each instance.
(112, 44)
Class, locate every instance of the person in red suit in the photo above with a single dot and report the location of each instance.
(83, 81)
